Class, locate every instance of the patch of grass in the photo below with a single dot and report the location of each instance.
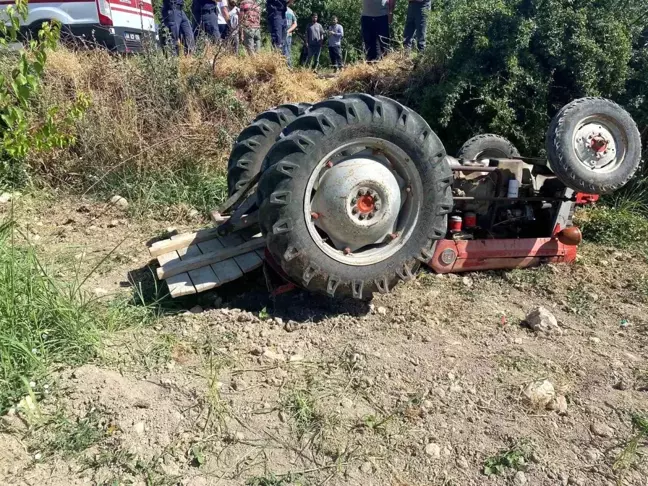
(622, 227)
(69, 438)
(45, 321)
(300, 405)
(631, 455)
(272, 480)
(538, 278)
(190, 187)
(579, 301)
(515, 457)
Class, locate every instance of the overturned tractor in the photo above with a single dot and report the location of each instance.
(349, 196)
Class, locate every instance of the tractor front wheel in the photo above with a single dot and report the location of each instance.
(354, 196)
(593, 146)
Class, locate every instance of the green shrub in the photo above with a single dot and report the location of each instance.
(622, 228)
(20, 84)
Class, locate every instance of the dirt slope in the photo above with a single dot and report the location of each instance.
(424, 386)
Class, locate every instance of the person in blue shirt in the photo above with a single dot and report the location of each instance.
(174, 19)
(335, 34)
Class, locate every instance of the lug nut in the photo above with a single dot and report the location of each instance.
(354, 200)
(377, 205)
(354, 211)
(361, 217)
(362, 192)
(347, 250)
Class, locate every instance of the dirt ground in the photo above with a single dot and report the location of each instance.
(424, 386)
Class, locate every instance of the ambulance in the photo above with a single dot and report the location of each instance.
(119, 25)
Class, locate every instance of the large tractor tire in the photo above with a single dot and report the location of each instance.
(593, 146)
(487, 146)
(354, 196)
(255, 140)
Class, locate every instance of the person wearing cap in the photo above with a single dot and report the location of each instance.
(416, 23)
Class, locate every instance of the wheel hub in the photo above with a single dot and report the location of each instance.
(357, 202)
(595, 145)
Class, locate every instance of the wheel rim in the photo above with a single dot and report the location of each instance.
(362, 201)
(492, 153)
(600, 144)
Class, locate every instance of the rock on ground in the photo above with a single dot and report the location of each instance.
(539, 394)
(541, 320)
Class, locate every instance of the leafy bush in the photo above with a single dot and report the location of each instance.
(507, 66)
(20, 84)
(621, 228)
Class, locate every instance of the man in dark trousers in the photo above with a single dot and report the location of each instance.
(375, 20)
(178, 24)
(417, 17)
(276, 11)
(206, 14)
(335, 34)
(314, 39)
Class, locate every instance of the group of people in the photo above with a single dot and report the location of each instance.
(232, 22)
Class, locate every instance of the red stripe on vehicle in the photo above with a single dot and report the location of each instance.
(139, 5)
(142, 13)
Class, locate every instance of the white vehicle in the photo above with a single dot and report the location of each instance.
(119, 25)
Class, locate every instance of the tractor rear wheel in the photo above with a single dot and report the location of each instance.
(255, 140)
(354, 196)
(593, 146)
(487, 146)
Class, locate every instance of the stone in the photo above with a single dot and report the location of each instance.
(366, 467)
(196, 309)
(541, 320)
(119, 202)
(433, 450)
(239, 385)
(539, 394)
(193, 214)
(5, 197)
(602, 430)
(622, 385)
(462, 462)
(256, 351)
(467, 281)
(559, 405)
(296, 358)
(595, 340)
(346, 402)
(454, 388)
(519, 479)
(382, 311)
(99, 292)
(278, 320)
(268, 353)
(592, 455)
(291, 326)
(138, 428)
